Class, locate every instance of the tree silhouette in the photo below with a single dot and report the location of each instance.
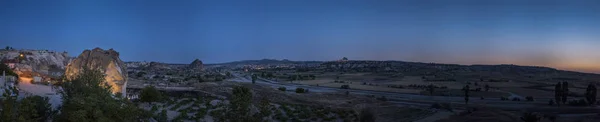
(466, 90)
(565, 92)
(590, 94)
(150, 94)
(558, 93)
(431, 89)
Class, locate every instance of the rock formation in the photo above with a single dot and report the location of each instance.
(107, 61)
(42, 62)
(196, 64)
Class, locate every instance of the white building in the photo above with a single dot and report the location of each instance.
(37, 79)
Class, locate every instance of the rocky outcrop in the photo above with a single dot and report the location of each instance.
(196, 64)
(42, 62)
(107, 61)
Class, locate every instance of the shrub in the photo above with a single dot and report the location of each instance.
(445, 106)
(345, 87)
(150, 94)
(154, 108)
(530, 117)
(516, 99)
(529, 98)
(281, 88)
(580, 102)
(367, 115)
(300, 90)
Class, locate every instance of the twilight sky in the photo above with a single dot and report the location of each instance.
(564, 34)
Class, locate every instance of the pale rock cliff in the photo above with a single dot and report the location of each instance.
(107, 61)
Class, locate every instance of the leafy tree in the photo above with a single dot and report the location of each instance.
(200, 79)
(466, 90)
(565, 92)
(367, 115)
(590, 94)
(7, 70)
(9, 103)
(300, 90)
(162, 117)
(558, 93)
(487, 87)
(282, 88)
(254, 77)
(239, 108)
(218, 78)
(228, 74)
(140, 74)
(34, 108)
(7, 48)
(264, 108)
(431, 89)
(150, 94)
(88, 98)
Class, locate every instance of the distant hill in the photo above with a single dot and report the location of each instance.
(266, 61)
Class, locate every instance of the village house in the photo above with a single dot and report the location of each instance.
(10, 62)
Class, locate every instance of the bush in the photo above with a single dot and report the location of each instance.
(150, 94)
(580, 102)
(529, 98)
(300, 90)
(445, 106)
(154, 108)
(345, 87)
(281, 88)
(382, 98)
(503, 98)
(367, 115)
(516, 99)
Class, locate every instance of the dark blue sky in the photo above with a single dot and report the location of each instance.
(558, 33)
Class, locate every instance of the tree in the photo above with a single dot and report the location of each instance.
(7, 48)
(150, 94)
(558, 93)
(487, 87)
(300, 90)
(162, 117)
(264, 109)
(565, 92)
(4, 68)
(228, 74)
(200, 79)
(9, 104)
(254, 77)
(239, 108)
(88, 98)
(34, 108)
(466, 90)
(431, 89)
(366, 115)
(590, 94)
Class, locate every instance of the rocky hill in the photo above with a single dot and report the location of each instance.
(196, 64)
(44, 62)
(107, 61)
